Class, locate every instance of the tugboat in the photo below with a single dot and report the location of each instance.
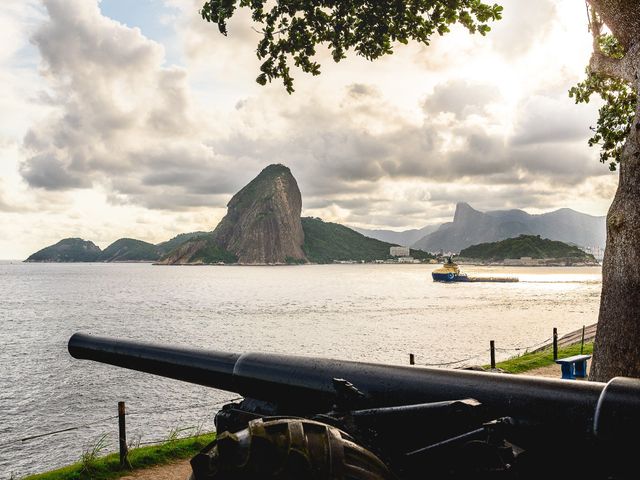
(449, 272)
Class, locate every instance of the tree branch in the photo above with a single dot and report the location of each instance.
(622, 17)
(624, 68)
(620, 68)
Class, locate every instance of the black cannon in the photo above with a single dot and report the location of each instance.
(319, 418)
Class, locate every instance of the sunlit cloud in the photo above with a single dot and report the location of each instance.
(111, 130)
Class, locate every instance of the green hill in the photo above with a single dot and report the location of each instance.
(201, 249)
(526, 246)
(166, 247)
(130, 250)
(68, 250)
(325, 242)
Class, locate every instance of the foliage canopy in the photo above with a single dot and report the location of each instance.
(616, 115)
(525, 246)
(325, 242)
(293, 29)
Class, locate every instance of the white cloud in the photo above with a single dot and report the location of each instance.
(118, 111)
(107, 140)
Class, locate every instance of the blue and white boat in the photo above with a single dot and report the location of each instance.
(449, 272)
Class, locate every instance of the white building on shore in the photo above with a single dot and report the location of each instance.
(399, 251)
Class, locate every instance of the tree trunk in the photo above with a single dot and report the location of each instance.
(617, 344)
(622, 17)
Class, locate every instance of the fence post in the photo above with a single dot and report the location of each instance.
(122, 428)
(412, 359)
(582, 342)
(555, 343)
(492, 347)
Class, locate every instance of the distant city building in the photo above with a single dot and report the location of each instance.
(405, 259)
(399, 251)
(596, 251)
(528, 261)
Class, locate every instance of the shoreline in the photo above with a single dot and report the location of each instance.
(338, 262)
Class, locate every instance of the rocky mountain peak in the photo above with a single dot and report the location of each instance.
(464, 212)
(262, 224)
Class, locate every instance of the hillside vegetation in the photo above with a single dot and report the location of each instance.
(325, 242)
(68, 250)
(175, 242)
(130, 250)
(525, 246)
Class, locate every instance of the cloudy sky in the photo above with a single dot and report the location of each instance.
(136, 118)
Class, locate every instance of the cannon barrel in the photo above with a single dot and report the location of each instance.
(572, 407)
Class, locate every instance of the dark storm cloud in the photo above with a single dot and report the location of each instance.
(360, 205)
(195, 181)
(461, 98)
(48, 172)
(559, 164)
(502, 197)
(175, 200)
(331, 154)
(361, 89)
(551, 119)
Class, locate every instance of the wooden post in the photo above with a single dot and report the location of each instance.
(582, 342)
(412, 359)
(122, 428)
(492, 347)
(555, 344)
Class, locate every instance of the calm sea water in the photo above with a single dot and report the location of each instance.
(374, 313)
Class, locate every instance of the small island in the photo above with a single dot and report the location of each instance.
(527, 250)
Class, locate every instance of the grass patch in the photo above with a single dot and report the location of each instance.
(531, 361)
(108, 467)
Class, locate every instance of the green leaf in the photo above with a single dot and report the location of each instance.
(292, 29)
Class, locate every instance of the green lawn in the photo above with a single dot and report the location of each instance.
(108, 467)
(530, 361)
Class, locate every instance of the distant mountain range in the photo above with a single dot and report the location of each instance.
(405, 238)
(472, 227)
(262, 226)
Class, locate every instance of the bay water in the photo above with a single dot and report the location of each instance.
(362, 312)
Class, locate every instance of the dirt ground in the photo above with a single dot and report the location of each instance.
(173, 471)
(551, 371)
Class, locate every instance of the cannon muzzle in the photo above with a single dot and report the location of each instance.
(208, 368)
